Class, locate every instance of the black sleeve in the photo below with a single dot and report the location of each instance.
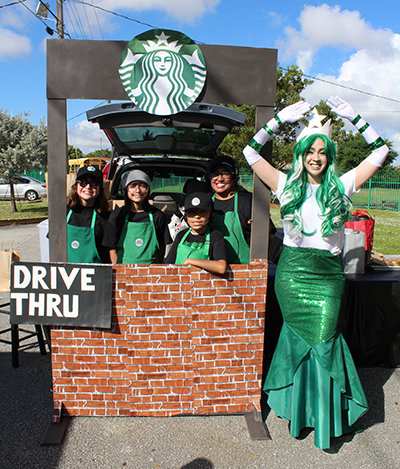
(217, 247)
(113, 228)
(100, 229)
(171, 256)
(245, 202)
(272, 227)
(161, 225)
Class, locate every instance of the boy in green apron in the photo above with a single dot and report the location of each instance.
(199, 245)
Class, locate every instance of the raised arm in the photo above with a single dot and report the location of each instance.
(264, 170)
(367, 168)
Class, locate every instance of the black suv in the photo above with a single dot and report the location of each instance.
(184, 142)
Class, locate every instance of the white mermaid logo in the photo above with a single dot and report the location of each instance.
(163, 72)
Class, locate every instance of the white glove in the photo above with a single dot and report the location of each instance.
(294, 112)
(341, 108)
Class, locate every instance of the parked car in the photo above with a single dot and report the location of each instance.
(25, 187)
(171, 149)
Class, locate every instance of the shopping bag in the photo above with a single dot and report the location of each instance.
(361, 220)
(7, 256)
(353, 252)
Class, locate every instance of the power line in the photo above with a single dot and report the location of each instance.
(87, 20)
(70, 20)
(97, 19)
(350, 88)
(78, 21)
(116, 14)
(33, 13)
(78, 115)
(10, 4)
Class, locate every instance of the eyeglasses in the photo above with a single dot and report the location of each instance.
(91, 183)
(141, 187)
(223, 174)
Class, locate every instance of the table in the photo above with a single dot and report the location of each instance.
(369, 320)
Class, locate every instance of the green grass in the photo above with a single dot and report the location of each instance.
(386, 233)
(386, 230)
(26, 210)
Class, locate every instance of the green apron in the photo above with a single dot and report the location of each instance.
(237, 250)
(138, 242)
(82, 243)
(192, 250)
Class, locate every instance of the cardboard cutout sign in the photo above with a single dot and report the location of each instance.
(162, 71)
(61, 294)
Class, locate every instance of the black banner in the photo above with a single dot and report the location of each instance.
(61, 294)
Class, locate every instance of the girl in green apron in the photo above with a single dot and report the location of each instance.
(199, 245)
(137, 233)
(232, 216)
(87, 214)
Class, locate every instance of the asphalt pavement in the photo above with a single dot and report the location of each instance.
(212, 442)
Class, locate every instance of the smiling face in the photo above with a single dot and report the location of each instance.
(222, 182)
(315, 162)
(197, 219)
(137, 192)
(87, 189)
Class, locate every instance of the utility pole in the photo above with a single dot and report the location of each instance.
(60, 20)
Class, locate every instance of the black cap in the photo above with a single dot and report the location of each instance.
(200, 200)
(194, 185)
(91, 171)
(223, 160)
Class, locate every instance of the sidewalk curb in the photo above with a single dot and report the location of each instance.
(22, 221)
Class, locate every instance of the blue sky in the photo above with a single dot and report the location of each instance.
(355, 44)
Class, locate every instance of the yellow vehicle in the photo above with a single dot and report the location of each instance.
(76, 163)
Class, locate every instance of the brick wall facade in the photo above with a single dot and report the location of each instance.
(182, 341)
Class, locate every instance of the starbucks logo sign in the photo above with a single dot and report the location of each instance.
(163, 72)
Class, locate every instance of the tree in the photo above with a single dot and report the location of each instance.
(23, 147)
(289, 84)
(74, 152)
(354, 149)
(99, 154)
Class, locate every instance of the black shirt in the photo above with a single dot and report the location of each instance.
(82, 216)
(216, 252)
(117, 220)
(245, 201)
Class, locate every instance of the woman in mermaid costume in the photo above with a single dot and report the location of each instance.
(312, 380)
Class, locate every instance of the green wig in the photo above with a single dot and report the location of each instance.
(334, 205)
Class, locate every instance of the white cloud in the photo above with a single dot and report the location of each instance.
(96, 22)
(184, 10)
(87, 137)
(324, 26)
(372, 65)
(13, 45)
(274, 19)
(373, 75)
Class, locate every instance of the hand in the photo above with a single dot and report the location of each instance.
(341, 108)
(294, 112)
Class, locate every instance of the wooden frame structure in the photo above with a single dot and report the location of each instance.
(89, 70)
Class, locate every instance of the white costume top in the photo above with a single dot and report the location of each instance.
(312, 222)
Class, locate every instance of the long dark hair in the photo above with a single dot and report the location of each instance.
(100, 203)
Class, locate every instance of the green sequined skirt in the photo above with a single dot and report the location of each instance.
(312, 380)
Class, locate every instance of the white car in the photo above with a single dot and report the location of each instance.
(25, 187)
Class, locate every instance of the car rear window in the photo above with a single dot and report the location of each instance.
(129, 135)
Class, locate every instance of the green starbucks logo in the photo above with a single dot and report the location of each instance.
(162, 71)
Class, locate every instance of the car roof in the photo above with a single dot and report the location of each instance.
(197, 131)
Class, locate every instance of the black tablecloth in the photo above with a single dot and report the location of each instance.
(369, 320)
